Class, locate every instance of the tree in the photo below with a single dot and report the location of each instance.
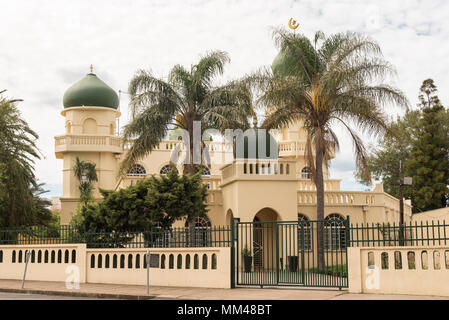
(336, 82)
(429, 155)
(152, 202)
(420, 140)
(187, 96)
(86, 174)
(384, 159)
(20, 193)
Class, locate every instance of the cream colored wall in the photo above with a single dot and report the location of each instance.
(42, 271)
(365, 277)
(104, 118)
(90, 135)
(435, 216)
(126, 275)
(209, 278)
(242, 195)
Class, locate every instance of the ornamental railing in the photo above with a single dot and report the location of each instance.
(409, 234)
(182, 237)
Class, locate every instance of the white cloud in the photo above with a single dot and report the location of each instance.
(48, 45)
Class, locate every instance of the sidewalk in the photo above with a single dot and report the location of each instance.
(111, 291)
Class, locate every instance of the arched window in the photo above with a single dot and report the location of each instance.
(304, 238)
(335, 233)
(306, 173)
(205, 171)
(167, 168)
(137, 170)
(199, 232)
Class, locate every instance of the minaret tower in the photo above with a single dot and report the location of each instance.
(90, 111)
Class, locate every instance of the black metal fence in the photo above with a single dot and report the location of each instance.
(217, 236)
(409, 234)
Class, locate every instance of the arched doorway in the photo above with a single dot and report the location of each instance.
(264, 237)
(229, 217)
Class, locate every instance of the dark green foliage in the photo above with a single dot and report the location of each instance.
(153, 202)
(86, 174)
(429, 155)
(20, 193)
(395, 146)
(420, 139)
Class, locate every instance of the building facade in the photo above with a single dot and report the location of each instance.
(272, 189)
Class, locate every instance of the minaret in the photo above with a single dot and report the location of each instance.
(90, 111)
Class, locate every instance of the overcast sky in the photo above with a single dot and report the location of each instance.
(46, 46)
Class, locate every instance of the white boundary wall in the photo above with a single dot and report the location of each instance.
(208, 267)
(422, 270)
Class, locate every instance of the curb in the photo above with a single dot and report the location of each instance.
(79, 294)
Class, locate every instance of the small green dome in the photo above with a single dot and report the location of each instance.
(90, 91)
(280, 62)
(251, 146)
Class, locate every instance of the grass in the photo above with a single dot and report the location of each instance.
(337, 270)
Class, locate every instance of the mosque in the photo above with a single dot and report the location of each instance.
(275, 189)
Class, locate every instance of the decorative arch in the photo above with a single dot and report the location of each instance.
(334, 232)
(137, 170)
(304, 232)
(200, 235)
(266, 214)
(205, 171)
(90, 126)
(166, 169)
(229, 217)
(68, 126)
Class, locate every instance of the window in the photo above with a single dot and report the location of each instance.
(205, 171)
(199, 235)
(167, 168)
(306, 173)
(304, 238)
(137, 170)
(334, 232)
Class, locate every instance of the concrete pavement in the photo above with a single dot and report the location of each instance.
(112, 291)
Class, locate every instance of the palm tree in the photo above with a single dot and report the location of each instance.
(187, 96)
(86, 174)
(336, 82)
(18, 153)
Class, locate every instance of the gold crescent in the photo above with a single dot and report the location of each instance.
(292, 24)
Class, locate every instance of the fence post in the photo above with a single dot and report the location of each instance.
(347, 232)
(232, 254)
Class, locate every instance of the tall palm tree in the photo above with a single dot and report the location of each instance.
(324, 82)
(189, 95)
(86, 174)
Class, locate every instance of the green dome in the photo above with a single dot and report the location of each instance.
(251, 139)
(279, 65)
(90, 91)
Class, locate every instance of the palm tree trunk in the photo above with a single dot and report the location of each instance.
(189, 168)
(319, 201)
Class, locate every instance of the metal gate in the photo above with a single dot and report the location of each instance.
(291, 253)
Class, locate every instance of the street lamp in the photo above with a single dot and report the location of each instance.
(403, 181)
